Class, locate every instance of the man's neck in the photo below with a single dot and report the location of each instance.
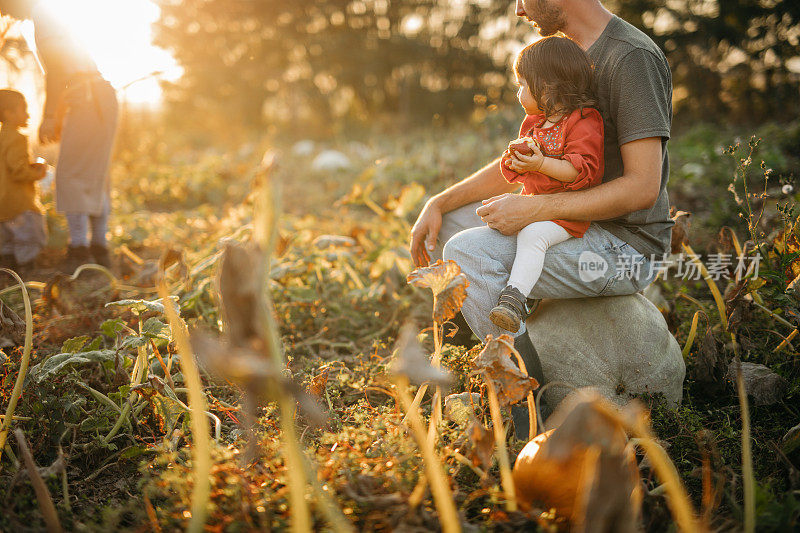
(586, 22)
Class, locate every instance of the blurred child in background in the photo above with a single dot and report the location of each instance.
(22, 227)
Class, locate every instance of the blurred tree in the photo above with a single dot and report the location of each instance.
(311, 62)
(289, 61)
(730, 59)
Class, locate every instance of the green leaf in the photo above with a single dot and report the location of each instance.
(134, 341)
(167, 413)
(57, 363)
(95, 423)
(111, 327)
(154, 328)
(141, 306)
(74, 344)
(94, 345)
(132, 452)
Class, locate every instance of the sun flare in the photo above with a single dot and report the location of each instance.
(118, 35)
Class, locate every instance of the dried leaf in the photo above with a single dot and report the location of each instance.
(173, 256)
(609, 498)
(481, 445)
(709, 365)
(680, 231)
(725, 240)
(282, 244)
(737, 305)
(316, 388)
(448, 303)
(495, 363)
(242, 366)
(582, 418)
(435, 277)
(253, 372)
(240, 287)
(412, 361)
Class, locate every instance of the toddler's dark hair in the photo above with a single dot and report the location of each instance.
(559, 75)
(8, 99)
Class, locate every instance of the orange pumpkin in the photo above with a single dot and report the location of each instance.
(581, 468)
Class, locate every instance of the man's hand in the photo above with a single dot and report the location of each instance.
(49, 131)
(508, 213)
(40, 169)
(424, 233)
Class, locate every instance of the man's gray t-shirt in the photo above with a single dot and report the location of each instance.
(634, 91)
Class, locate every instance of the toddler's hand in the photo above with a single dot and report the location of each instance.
(523, 145)
(522, 163)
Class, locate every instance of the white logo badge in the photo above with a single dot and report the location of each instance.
(591, 266)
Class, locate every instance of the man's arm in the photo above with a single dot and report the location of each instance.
(636, 189)
(483, 184)
(486, 182)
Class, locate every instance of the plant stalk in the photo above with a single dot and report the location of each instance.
(43, 497)
(301, 517)
(16, 392)
(711, 285)
(502, 452)
(533, 429)
(442, 496)
(747, 458)
(197, 402)
(692, 332)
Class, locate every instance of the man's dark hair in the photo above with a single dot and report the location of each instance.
(559, 75)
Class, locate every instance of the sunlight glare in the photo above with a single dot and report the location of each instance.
(117, 34)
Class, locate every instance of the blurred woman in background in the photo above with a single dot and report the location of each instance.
(81, 112)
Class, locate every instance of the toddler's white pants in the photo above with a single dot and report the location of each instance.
(532, 242)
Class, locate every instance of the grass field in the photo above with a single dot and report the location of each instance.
(107, 397)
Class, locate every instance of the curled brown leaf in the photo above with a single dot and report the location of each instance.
(435, 277)
(317, 386)
(480, 447)
(495, 363)
(448, 302)
(240, 286)
(680, 231)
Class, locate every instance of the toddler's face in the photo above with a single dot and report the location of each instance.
(17, 115)
(526, 99)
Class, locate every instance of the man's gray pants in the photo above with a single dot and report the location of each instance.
(598, 264)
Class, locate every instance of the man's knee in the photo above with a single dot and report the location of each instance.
(461, 246)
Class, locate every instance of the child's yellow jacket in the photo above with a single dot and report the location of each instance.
(18, 189)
